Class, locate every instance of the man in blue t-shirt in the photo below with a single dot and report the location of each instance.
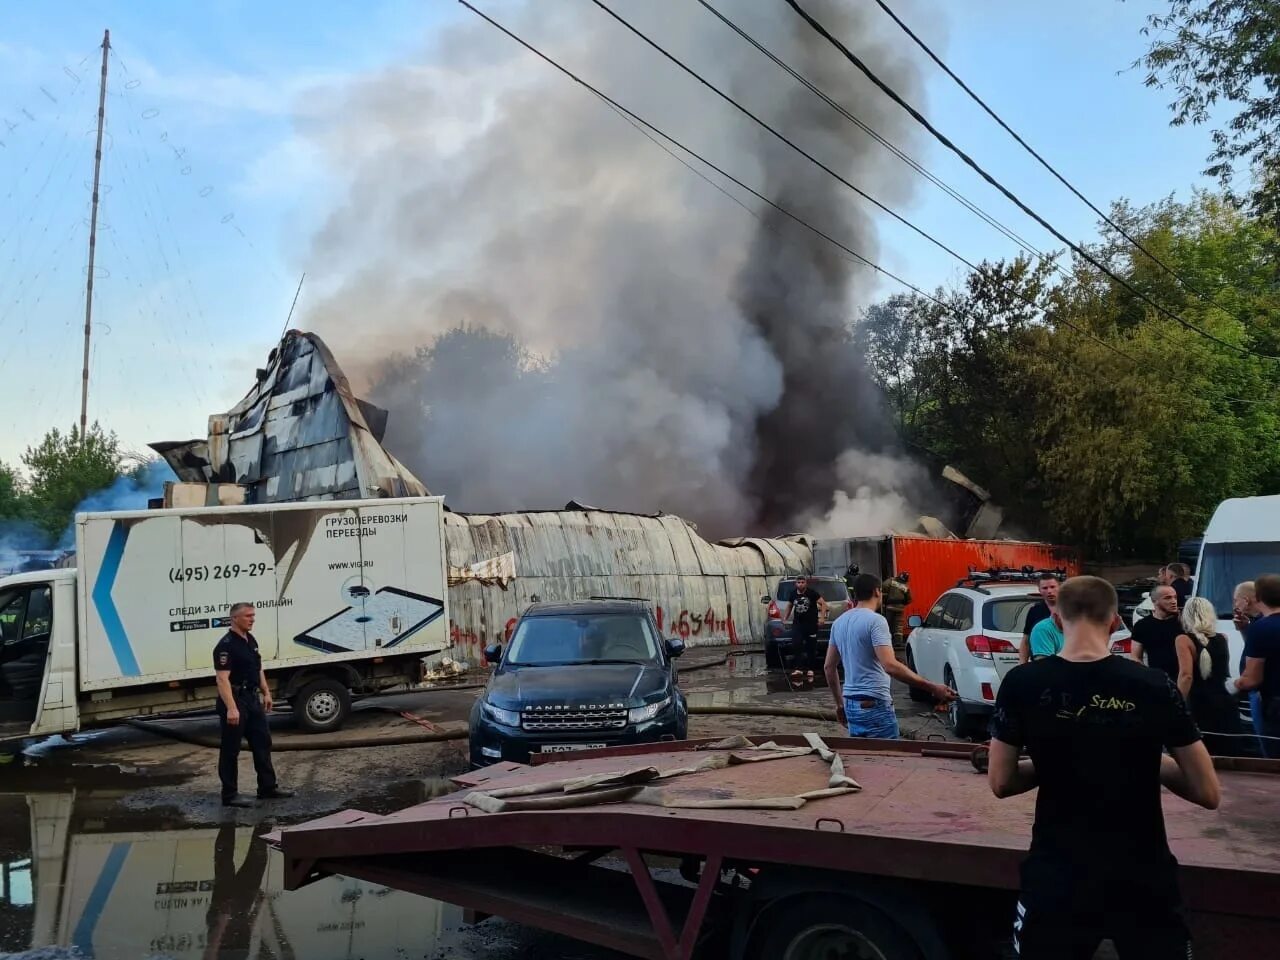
(1046, 639)
(1262, 663)
(861, 640)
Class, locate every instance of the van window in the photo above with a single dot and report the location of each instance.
(12, 606)
(39, 613)
(1223, 565)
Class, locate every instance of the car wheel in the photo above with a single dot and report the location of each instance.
(322, 706)
(918, 695)
(823, 926)
(958, 718)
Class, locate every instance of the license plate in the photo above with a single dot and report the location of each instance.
(566, 747)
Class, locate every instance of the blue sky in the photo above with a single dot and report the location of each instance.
(210, 199)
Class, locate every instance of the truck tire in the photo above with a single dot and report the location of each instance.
(819, 926)
(322, 706)
(916, 694)
(958, 718)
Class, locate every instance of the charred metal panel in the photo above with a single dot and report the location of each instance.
(298, 434)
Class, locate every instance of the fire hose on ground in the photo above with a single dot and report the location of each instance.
(440, 736)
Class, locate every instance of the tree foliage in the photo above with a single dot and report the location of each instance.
(63, 469)
(1089, 417)
(1214, 52)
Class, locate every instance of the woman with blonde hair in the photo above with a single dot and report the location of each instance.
(1203, 668)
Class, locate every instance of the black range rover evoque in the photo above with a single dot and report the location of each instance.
(579, 675)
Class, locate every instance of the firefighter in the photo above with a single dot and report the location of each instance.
(850, 575)
(896, 597)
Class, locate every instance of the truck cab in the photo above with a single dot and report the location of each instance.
(37, 653)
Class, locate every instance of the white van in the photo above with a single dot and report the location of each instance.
(1241, 542)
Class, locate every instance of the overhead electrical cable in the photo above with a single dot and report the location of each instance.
(783, 210)
(877, 136)
(1207, 298)
(946, 142)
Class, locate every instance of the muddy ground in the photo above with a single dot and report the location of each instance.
(114, 845)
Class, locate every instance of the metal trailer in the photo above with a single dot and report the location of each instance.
(921, 864)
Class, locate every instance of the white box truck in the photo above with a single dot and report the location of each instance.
(350, 595)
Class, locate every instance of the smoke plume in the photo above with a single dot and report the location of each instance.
(552, 307)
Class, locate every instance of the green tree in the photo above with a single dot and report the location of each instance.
(13, 503)
(1215, 52)
(1092, 418)
(63, 469)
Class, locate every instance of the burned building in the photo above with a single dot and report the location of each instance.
(301, 434)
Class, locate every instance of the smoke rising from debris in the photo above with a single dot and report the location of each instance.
(553, 308)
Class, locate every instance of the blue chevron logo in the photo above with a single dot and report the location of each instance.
(106, 606)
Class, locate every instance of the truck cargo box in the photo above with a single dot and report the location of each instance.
(339, 580)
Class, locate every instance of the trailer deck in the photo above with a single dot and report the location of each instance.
(923, 814)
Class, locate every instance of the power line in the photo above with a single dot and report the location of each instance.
(814, 160)
(875, 135)
(1043, 162)
(791, 143)
(946, 142)
(783, 210)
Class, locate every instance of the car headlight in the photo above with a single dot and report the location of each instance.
(506, 718)
(648, 711)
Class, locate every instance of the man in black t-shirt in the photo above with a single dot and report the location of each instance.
(803, 612)
(1048, 587)
(1262, 663)
(1095, 727)
(1155, 637)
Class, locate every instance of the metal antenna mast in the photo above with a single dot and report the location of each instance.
(93, 240)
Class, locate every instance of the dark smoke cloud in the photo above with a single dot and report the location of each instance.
(616, 331)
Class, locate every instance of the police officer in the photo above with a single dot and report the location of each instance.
(896, 595)
(244, 700)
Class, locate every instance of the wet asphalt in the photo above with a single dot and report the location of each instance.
(113, 845)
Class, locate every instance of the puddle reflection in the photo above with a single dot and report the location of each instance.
(74, 884)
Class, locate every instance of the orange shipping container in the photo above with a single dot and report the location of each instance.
(936, 565)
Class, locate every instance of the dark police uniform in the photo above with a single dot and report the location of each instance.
(240, 656)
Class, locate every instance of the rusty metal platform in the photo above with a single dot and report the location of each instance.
(916, 817)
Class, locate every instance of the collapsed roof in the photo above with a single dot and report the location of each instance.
(298, 434)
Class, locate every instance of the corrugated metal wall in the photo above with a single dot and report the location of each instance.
(936, 565)
(703, 592)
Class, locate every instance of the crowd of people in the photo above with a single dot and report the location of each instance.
(1098, 735)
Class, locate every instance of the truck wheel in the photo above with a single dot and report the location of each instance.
(959, 720)
(322, 706)
(916, 694)
(823, 926)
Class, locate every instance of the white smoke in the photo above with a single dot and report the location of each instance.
(663, 348)
(875, 497)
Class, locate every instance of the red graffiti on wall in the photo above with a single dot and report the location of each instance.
(685, 624)
(459, 636)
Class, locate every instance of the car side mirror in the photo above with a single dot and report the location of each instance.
(675, 646)
(766, 599)
(914, 621)
(493, 653)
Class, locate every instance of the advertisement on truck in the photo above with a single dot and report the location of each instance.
(334, 581)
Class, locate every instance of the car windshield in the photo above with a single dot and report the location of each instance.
(1226, 564)
(555, 640)
(832, 591)
(1007, 614)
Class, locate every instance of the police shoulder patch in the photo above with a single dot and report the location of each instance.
(222, 658)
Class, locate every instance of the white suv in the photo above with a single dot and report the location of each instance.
(969, 641)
